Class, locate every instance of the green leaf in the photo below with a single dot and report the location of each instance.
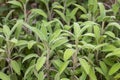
(102, 12)
(40, 63)
(83, 76)
(31, 43)
(81, 8)
(57, 76)
(117, 76)
(92, 74)
(72, 14)
(58, 42)
(15, 66)
(63, 67)
(99, 70)
(111, 24)
(103, 67)
(3, 76)
(109, 33)
(116, 52)
(6, 30)
(37, 32)
(19, 23)
(41, 76)
(17, 3)
(29, 56)
(114, 69)
(67, 54)
(55, 35)
(115, 8)
(85, 65)
(64, 79)
(40, 12)
(97, 32)
(30, 69)
(57, 63)
(76, 30)
(108, 48)
(61, 15)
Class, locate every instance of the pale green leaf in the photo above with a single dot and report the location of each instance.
(81, 8)
(29, 56)
(29, 70)
(41, 76)
(104, 67)
(15, 66)
(40, 63)
(85, 65)
(114, 69)
(63, 67)
(61, 15)
(3, 76)
(31, 43)
(40, 12)
(109, 33)
(17, 3)
(67, 54)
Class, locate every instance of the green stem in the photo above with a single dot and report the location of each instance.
(48, 10)
(75, 55)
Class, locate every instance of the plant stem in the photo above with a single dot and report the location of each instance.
(48, 62)
(75, 55)
(48, 10)
(103, 24)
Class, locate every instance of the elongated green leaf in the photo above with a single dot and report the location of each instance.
(55, 35)
(63, 66)
(30, 69)
(41, 76)
(3, 76)
(40, 12)
(89, 34)
(61, 15)
(92, 74)
(72, 14)
(57, 63)
(85, 65)
(17, 3)
(40, 63)
(37, 32)
(103, 67)
(108, 48)
(117, 76)
(6, 30)
(113, 24)
(83, 76)
(81, 8)
(58, 42)
(76, 29)
(31, 43)
(102, 12)
(99, 70)
(116, 52)
(97, 32)
(115, 8)
(92, 4)
(29, 56)
(114, 68)
(109, 33)
(64, 79)
(19, 23)
(15, 66)
(57, 76)
(67, 54)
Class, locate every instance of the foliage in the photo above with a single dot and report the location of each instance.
(59, 40)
